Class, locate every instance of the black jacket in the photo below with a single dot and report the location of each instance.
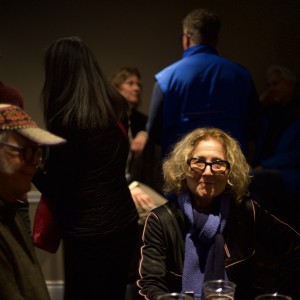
(248, 228)
(86, 180)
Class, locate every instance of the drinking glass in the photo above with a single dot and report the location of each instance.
(172, 296)
(273, 296)
(219, 290)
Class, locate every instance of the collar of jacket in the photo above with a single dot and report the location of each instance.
(6, 210)
(202, 48)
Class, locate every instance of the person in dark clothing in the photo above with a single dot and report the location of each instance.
(276, 166)
(145, 167)
(86, 177)
(210, 229)
(142, 171)
(10, 95)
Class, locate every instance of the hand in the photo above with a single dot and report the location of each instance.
(266, 97)
(138, 143)
(141, 200)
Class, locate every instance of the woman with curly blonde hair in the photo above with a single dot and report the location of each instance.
(210, 228)
(175, 167)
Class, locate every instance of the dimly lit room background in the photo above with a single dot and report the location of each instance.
(144, 34)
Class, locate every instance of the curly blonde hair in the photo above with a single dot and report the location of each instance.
(176, 169)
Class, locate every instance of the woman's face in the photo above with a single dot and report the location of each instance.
(130, 89)
(206, 185)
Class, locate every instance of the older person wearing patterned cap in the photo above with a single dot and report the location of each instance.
(21, 145)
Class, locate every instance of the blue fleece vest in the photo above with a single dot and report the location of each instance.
(204, 89)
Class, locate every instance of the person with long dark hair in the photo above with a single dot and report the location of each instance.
(86, 177)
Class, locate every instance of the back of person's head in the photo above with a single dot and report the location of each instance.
(123, 74)
(202, 26)
(176, 169)
(76, 90)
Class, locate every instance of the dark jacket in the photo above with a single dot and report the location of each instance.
(86, 179)
(247, 227)
(278, 146)
(138, 121)
(21, 277)
(146, 167)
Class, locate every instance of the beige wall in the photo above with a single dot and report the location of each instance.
(255, 33)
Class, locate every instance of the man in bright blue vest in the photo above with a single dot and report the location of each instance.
(202, 89)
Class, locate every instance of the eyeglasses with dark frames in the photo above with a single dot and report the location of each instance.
(197, 164)
(28, 152)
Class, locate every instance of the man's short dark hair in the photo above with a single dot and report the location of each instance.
(202, 26)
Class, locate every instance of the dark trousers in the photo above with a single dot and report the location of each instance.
(98, 268)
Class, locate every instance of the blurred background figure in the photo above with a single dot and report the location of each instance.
(127, 81)
(12, 96)
(21, 149)
(143, 167)
(143, 172)
(276, 165)
(282, 87)
(203, 89)
(86, 177)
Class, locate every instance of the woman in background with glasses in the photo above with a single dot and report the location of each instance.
(209, 229)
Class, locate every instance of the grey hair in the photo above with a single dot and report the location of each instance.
(202, 26)
(284, 72)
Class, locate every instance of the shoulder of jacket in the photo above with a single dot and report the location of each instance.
(246, 207)
(167, 211)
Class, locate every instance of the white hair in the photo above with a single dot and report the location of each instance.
(284, 72)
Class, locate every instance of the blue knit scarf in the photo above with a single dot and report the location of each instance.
(204, 245)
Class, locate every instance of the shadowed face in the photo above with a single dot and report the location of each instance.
(16, 173)
(281, 90)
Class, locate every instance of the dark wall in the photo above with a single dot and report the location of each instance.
(145, 34)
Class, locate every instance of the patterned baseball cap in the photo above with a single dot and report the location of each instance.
(13, 118)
